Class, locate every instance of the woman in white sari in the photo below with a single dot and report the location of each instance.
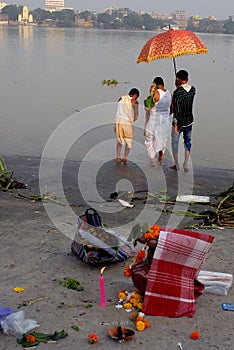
(157, 122)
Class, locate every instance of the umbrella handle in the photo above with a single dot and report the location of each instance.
(174, 64)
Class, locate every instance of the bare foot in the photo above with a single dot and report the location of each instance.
(160, 157)
(118, 160)
(174, 167)
(152, 162)
(124, 161)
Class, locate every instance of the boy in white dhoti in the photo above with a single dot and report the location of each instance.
(126, 115)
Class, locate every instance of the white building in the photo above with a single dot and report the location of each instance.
(54, 5)
(25, 17)
(2, 4)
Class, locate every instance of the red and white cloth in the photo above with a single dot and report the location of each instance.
(178, 258)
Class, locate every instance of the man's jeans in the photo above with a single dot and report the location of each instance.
(175, 137)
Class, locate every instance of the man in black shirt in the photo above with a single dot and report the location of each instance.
(182, 107)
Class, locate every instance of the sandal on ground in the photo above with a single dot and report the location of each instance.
(174, 167)
(118, 160)
(185, 169)
(124, 161)
(152, 162)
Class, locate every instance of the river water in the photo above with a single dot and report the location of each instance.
(50, 76)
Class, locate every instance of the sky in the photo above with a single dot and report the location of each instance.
(204, 8)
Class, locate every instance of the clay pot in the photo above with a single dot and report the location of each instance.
(140, 275)
(120, 334)
(139, 272)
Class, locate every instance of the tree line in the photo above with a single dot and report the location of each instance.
(116, 20)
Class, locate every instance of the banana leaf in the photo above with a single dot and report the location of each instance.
(41, 338)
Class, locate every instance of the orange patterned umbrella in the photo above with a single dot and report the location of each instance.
(171, 44)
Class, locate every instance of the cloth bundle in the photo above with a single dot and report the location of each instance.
(172, 284)
(216, 282)
(149, 101)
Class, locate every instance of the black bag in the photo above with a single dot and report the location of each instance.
(95, 245)
(92, 217)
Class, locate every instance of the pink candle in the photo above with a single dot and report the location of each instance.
(102, 288)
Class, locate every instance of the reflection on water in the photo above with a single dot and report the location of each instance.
(47, 74)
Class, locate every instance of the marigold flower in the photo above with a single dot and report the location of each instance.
(122, 295)
(195, 335)
(140, 326)
(148, 235)
(18, 290)
(140, 256)
(92, 338)
(137, 294)
(139, 318)
(30, 338)
(140, 306)
(147, 323)
(133, 316)
(127, 271)
(156, 228)
(128, 306)
(133, 301)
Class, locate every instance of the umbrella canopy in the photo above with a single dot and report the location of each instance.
(171, 44)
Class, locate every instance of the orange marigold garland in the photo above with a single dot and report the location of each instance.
(140, 256)
(152, 233)
(92, 338)
(127, 271)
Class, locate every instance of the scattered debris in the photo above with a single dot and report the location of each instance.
(71, 283)
(45, 196)
(34, 338)
(162, 197)
(7, 182)
(224, 213)
(30, 302)
(227, 307)
(188, 212)
(110, 82)
(125, 203)
(114, 195)
(193, 199)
